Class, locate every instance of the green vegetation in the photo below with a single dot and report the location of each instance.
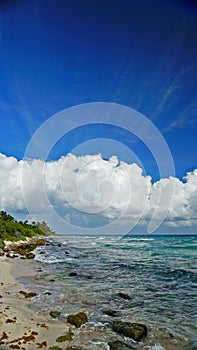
(45, 228)
(12, 230)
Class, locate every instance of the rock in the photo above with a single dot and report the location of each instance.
(66, 337)
(74, 348)
(11, 255)
(78, 319)
(30, 295)
(55, 314)
(110, 312)
(55, 348)
(124, 296)
(72, 274)
(22, 292)
(42, 252)
(24, 247)
(2, 253)
(30, 255)
(136, 331)
(119, 345)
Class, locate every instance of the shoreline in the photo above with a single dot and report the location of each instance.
(21, 327)
(24, 328)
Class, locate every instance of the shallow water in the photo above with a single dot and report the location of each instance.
(158, 273)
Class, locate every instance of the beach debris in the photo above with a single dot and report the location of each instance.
(55, 313)
(119, 345)
(78, 319)
(41, 345)
(136, 331)
(4, 336)
(9, 320)
(66, 337)
(124, 296)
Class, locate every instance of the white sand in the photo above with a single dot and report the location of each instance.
(20, 327)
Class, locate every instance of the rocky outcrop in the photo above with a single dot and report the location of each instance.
(24, 248)
(78, 319)
(136, 331)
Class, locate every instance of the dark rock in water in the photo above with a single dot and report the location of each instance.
(110, 312)
(30, 255)
(67, 253)
(89, 277)
(119, 345)
(72, 274)
(78, 319)
(42, 252)
(52, 280)
(30, 295)
(136, 331)
(47, 293)
(124, 296)
(66, 337)
(74, 348)
(55, 314)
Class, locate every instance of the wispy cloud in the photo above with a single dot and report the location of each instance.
(188, 117)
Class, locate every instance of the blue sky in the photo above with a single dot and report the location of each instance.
(140, 54)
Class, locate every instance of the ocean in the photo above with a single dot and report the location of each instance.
(87, 273)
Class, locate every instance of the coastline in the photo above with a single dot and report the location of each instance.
(26, 324)
(21, 327)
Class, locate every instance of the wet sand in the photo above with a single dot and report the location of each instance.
(20, 327)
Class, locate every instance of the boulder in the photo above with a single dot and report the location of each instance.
(55, 314)
(30, 255)
(119, 345)
(135, 331)
(72, 274)
(78, 319)
(30, 295)
(66, 337)
(110, 312)
(124, 296)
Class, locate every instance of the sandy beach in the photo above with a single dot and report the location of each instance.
(20, 327)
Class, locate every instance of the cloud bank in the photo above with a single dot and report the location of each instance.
(89, 190)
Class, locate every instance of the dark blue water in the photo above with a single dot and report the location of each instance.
(158, 273)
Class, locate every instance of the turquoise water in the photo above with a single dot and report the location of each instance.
(158, 273)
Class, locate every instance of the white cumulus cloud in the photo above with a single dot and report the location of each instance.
(88, 189)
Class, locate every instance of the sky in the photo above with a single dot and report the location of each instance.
(101, 95)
